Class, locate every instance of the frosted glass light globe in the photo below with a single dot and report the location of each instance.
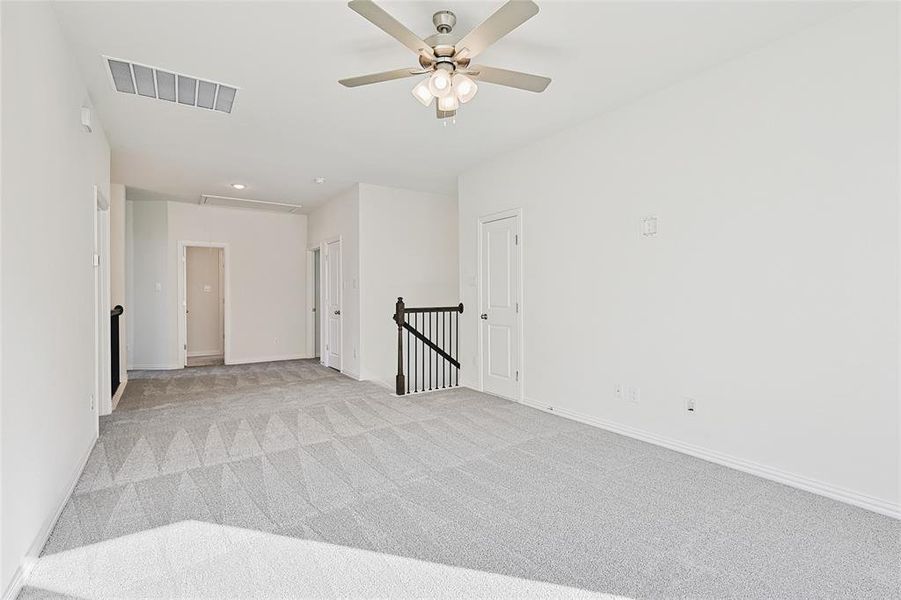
(440, 83)
(464, 88)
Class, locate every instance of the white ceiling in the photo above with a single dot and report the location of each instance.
(293, 122)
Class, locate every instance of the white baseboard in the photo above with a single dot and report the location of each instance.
(20, 577)
(119, 392)
(155, 367)
(828, 490)
(352, 375)
(195, 353)
(262, 359)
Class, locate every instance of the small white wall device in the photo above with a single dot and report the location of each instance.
(86, 119)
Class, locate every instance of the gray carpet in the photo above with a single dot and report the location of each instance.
(464, 479)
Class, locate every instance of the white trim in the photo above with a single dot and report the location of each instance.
(182, 300)
(119, 392)
(794, 480)
(489, 218)
(20, 577)
(196, 353)
(155, 367)
(323, 289)
(102, 391)
(313, 251)
(262, 359)
(349, 374)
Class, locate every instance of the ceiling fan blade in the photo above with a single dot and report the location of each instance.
(376, 15)
(379, 77)
(514, 79)
(507, 18)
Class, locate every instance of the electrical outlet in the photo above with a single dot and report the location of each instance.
(634, 393)
(618, 391)
(92, 401)
(691, 405)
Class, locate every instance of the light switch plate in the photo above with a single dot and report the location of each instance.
(649, 226)
(634, 394)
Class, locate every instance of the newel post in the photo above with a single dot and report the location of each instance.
(400, 384)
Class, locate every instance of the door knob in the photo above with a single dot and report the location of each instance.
(337, 312)
(484, 316)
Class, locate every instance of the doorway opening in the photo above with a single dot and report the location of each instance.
(314, 301)
(331, 304)
(204, 305)
(317, 304)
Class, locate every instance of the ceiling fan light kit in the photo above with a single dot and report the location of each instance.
(451, 79)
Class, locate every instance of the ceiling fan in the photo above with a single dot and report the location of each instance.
(446, 60)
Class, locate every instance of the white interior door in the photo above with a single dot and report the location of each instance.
(333, 304)
(499, 307)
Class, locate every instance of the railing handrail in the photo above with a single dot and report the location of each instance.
(439, 309)
(400, 318)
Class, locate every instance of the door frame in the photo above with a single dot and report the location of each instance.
(483, 220)
(183, 245)
(103, 402)
(312, 249)
(311, 299)
(323, 322)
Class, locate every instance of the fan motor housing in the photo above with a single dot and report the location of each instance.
(444, 21)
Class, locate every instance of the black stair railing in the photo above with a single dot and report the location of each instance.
(428, 344)
(114, 347)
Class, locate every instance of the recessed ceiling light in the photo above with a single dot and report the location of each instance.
(238, 186)
(319, 180)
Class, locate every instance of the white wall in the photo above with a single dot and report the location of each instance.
(267, 276)
(770, 293)
(340, 217)
(267, 271)
(409, 248)
(49, 166)
(151, 344)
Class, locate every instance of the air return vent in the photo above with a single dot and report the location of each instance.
(152, 82)
(211, 200)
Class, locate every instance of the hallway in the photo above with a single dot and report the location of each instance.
(452, 478)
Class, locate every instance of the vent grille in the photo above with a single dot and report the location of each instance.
(132, 78)
(211, 200)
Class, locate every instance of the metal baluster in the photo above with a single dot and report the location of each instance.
(409, 374)
(436, 354)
